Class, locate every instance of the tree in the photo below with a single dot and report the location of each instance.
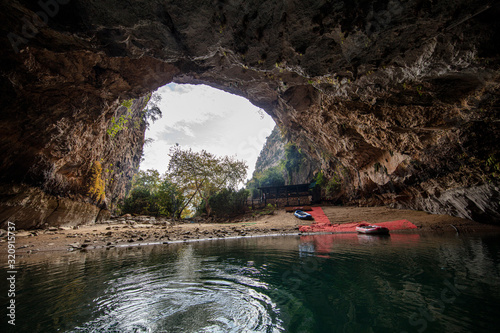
(200, 175)
(140, 200)
(229, 202)
(152, 110)
(152, 194)
(270, 177)
(149, 179)
(170, 198)
(142, 197)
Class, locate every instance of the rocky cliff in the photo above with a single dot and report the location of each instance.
(273, 154)
(398, 99)
(80, 171)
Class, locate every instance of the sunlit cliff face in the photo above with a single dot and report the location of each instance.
(398, 99)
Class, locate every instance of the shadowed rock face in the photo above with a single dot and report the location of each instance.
(398, 98)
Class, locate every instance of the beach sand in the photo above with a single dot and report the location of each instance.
(131, 232)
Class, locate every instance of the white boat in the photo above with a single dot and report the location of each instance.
(372, 229)
(302, 215)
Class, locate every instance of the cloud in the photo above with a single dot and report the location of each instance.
(201, 117)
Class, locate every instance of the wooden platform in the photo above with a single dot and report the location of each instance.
(293, 209)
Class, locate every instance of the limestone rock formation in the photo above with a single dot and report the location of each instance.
(402, 97)
(273, 155)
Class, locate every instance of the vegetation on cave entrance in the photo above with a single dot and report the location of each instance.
(150, 113)
(194, 179)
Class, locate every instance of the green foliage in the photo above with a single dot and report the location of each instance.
(269, 177)
(419, 90)
(151, 112)
(226, 203)
(293, 159)
(320, 179)
(170, 199)
(119, 124)
(140, 201)
(149, 179)
(268, 210)
(153, 195)
(493, 165)
(201, 174)
(333, 186)
(193, 178)
(128, 103)
(272, 177)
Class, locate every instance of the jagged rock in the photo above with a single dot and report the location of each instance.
(273, 153)
(387, 96)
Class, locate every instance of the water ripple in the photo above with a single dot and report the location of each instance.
(208, 299)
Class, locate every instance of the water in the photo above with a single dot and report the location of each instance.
(324, 283)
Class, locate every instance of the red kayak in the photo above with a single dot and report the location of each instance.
(372, 229)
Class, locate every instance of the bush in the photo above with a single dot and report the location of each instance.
(269, 177)
(227, 203)
(333, 186)
(140, 201)
(152, 195)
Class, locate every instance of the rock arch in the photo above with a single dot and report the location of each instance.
(399, 98)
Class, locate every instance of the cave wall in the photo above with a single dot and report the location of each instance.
(403, 97)
(79, 174)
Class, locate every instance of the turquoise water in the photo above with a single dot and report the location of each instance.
(324, 283)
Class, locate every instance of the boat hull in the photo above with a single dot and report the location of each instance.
(372, 230)
(302, 215)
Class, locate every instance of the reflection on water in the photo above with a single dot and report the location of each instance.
(321, 283)
(189, 294)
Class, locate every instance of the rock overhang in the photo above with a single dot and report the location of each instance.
(401, 95)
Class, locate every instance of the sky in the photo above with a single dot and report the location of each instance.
(201, 117)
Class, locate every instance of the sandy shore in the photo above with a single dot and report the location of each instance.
(129, 232)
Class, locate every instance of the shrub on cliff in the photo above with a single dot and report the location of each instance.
(294, 159)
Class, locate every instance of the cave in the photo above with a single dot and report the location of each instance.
(398, 99)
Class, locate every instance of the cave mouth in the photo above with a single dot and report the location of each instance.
(402, 114)
(204, 118)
